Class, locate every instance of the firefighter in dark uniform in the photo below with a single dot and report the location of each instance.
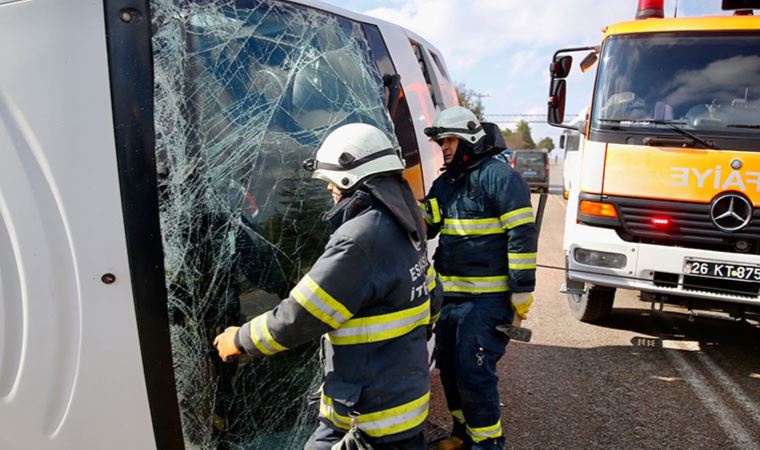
(372, 294)
(486, 261)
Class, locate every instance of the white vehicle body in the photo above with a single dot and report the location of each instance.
(85, 356)
(571, 141)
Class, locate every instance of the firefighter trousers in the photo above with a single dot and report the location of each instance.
(467, 348)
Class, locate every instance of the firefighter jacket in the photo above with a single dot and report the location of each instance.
(371, 294)
(488, 237)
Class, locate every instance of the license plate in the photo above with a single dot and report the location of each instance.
(726, 271)
(530, 173)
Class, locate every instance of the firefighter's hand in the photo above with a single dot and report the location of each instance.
(521, 302)
(225, 343)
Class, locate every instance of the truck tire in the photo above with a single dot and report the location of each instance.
(593, 306)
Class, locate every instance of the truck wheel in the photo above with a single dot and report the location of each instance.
(593, 306)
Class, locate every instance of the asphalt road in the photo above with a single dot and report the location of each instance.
(643, 379)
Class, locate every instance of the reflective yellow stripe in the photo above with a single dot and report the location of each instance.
(434, 319)
(257, 338)
(475, 285)
(365, 330)
(483, 433)
(472, 227)
(381, 423)
(522, 261)
(435, 211)
(426, 214)
(319, 303)
(516, 218)
(431, 275)
(458, 415)
(262, 338)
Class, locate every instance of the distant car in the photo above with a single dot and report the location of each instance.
(533, 165)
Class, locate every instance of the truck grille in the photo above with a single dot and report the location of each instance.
(690, 226)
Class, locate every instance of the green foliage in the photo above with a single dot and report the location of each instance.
(470, 100)
(546, 143)
(520, 139)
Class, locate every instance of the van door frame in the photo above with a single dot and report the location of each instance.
(130, 61)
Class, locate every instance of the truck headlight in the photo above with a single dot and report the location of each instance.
(600, 259)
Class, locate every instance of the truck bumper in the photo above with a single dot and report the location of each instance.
(655, 268)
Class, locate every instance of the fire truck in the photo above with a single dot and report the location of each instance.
(668, 202)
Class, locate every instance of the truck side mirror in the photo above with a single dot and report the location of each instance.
(557, 98)
(560, 67)
(562, 141)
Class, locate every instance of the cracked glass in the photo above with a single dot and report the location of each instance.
(244, 92)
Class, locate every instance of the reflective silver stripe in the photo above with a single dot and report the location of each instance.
(261, 336)
(381, 423)
(306, 297)
(517, 217)
(472, 226)
(522, 260)
(475, 284)
(394, 421)
(483, 433)
(365, 330)
(368, 330)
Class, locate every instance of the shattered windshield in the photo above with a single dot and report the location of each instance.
(703, 82)
(244, 92)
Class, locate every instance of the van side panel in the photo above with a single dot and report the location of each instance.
(71, 375)
(420, 104)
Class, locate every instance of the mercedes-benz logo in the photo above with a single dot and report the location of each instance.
(737, 164)
(730, 212)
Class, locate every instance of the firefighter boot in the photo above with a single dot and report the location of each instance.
(457, 441)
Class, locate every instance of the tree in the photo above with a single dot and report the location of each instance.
(523, 131)
(470, 100)
(520, 139)
(546, 143)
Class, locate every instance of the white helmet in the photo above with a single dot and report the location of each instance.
(353, 152)
(456, 122)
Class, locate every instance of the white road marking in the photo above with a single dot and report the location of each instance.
(734, 389)
(711, 400)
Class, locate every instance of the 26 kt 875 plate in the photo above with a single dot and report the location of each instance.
(721, 270)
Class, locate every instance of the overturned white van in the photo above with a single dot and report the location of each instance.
(151, 194)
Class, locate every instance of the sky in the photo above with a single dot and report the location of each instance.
(502, 48)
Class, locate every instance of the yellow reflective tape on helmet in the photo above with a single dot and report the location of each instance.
(381, 423)
(365, 330)
(483, 433)
(262, 338)
(472, 227)
(319, 303)
(475, 285)
(522, 261)
(435, 211)
(516, 218)
(458, 415)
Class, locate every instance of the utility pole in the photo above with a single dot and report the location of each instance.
(480, 97)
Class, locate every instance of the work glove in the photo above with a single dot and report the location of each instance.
(226, 343)
(521, 302)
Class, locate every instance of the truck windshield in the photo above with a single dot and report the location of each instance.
(705, 83)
